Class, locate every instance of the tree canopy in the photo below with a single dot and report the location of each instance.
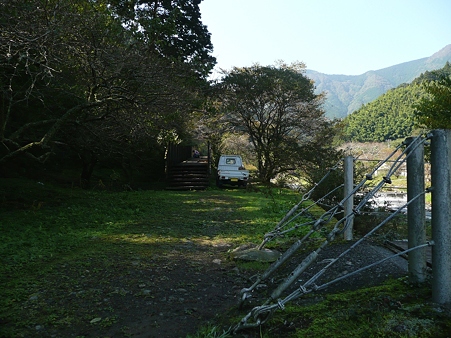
(398, 112)
(173, 28)
(73, 77)
(388, 117)
(434, 109)
(278, 110)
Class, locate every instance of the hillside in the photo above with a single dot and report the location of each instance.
(347, 93)
(391, 115)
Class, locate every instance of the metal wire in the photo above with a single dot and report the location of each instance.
(287, 220)
(268, 309)
(262, 313)
(316, 226)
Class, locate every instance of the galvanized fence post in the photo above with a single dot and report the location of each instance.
(441, 216)
(349, 203)
(416, 213)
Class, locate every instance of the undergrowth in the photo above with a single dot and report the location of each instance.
(395, 309)
(46, 228)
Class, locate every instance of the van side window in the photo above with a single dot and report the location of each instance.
(230, 161)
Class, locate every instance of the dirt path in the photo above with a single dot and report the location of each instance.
(173, 294)
(190, 289)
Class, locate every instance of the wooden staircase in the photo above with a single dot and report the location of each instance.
(192, 174)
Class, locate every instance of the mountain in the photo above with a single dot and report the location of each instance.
(393, 115)
(347, 93)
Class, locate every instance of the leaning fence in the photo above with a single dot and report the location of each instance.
(412, 155)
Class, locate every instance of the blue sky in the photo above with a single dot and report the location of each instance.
(330, 36)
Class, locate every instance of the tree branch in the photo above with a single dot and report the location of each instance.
(57, 124)
(27, 126)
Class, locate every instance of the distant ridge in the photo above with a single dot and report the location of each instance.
(347, 93)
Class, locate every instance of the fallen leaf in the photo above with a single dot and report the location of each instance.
(96, 320)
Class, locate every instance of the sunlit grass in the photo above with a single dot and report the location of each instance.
(389, 310)
(74, 228)
(44, 227)
(68, 220)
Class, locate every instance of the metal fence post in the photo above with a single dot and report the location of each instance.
(441, 216)
(349, 203)
(416, 213)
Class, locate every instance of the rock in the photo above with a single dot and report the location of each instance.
(244, 247)
(263, 255)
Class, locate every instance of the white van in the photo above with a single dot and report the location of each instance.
(231, 171)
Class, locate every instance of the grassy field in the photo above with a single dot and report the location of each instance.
(41, 222)
(44, 227)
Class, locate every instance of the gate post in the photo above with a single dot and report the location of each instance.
(416, 213)
(441, 216)
(349, 203)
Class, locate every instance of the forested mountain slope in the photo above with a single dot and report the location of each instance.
(390, 116)
(347, 93)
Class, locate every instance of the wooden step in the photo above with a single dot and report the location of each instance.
(189, 175)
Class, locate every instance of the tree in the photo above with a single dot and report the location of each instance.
(397, 113)
(388, 117)
(73, 76)
(434, 109)
(277, 108)
(173, 28)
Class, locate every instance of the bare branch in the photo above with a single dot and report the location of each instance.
(28, 126)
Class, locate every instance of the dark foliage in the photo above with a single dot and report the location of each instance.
(74, 81)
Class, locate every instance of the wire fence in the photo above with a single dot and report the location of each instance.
(291, 221)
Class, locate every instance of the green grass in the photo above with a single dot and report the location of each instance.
(49, 222)
(45, 227)
(395, 309)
